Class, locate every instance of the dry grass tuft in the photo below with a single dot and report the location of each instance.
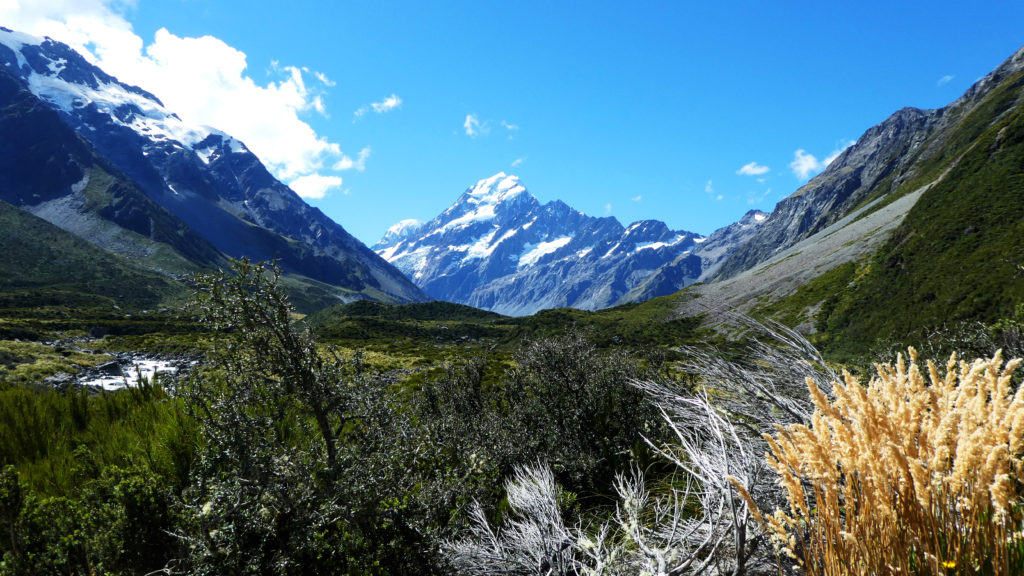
(917, 473)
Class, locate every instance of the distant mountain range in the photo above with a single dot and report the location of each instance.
(109, 163)
(498, 248)
(917, 225)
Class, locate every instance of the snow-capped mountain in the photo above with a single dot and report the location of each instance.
(200, 184)
(497, 247)
(700, 263)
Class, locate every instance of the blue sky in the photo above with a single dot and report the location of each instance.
(637, 110)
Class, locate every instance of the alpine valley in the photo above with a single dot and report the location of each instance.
(142, 199)
(915, 227)
(513, 387)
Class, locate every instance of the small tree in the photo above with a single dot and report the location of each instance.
(271, 408)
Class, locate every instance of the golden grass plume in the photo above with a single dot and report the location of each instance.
(916, 473)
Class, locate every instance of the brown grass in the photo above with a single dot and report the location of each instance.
(917, 473)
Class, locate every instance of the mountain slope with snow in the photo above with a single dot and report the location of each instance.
(205, 185)
(497, 247)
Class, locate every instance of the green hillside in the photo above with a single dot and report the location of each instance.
(43, 264)
(958, 255)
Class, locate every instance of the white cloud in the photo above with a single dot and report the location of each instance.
(322, 78)
(314, 185)
(637, 198)
(608, 208)
(510, 127)
(831, 157)
(709, 188)
(359, 164)
(518, 161)
(386, 105)
(472, 125)
(945, 80)
(805, 164)
(753, 169)
(719, 197)
(203, 80)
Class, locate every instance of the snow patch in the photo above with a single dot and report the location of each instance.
(391, 253)
(495, 189)
(15, 41)
(482, 213)
(205, 154)
(659, 245)
(612, 251)
(77, 187)
(482, 248)
(403, 227)
(532, 253)
(124, 107)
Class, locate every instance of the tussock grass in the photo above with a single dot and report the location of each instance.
(919, 472)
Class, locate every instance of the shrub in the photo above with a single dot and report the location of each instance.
(913, 474)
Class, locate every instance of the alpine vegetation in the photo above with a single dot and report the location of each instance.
(705, 518)
(912, 474)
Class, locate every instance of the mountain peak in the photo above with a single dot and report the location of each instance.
(494, 190)
(498, 248)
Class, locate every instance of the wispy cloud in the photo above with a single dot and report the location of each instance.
(637, 198)
(608, 208)
(753, 169)
(710, 189)
(471, 125)
(518, 161)
(510, 127)
(945, 80)
(805, 164)
(386, 105)
(359, 164)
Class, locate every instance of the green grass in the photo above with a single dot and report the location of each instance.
(31, 362)
(803, 305)
(436, 331)
(43, 263)
(58, 440)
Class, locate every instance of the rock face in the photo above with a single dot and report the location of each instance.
(885, 159)
(497, 247)
(108, 162)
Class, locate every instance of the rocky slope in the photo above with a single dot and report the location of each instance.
(108, 162)
(913, 231)
(888, 157)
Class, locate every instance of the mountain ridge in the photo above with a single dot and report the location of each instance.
(498, 248)
(218, 198)
(886, 157)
